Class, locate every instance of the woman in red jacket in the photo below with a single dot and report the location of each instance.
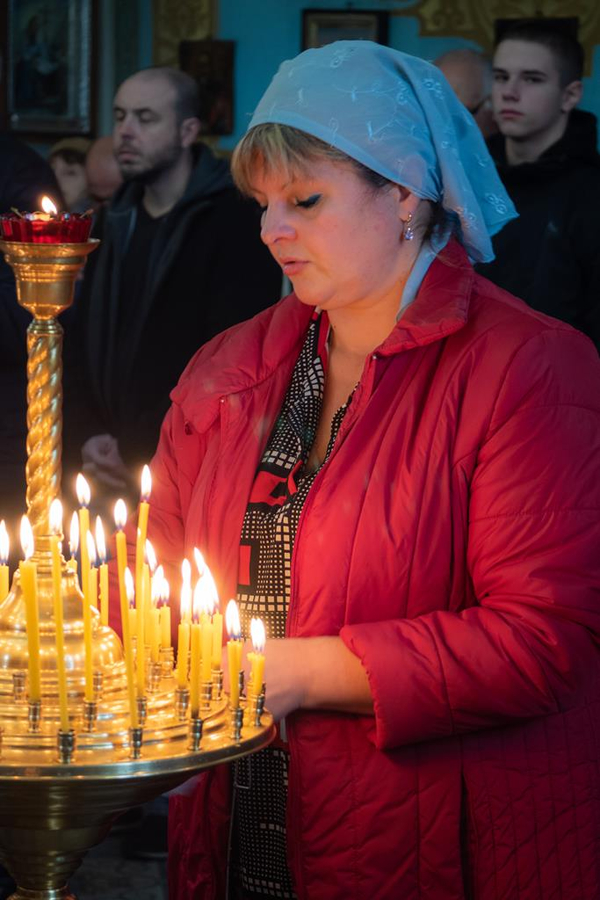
(398, 468)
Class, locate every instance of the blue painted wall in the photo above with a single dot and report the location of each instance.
(269, 31)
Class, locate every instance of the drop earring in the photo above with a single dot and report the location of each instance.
(408, 233)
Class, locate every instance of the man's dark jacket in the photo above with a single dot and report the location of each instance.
(550, 255)
(208, 271)
(24, 178)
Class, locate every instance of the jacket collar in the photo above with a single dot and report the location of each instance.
(250, 353)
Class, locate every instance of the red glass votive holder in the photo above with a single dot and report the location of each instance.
(43, 228)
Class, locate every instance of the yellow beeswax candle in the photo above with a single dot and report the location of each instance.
(165, 615)
(257, 658)
(28, 576)
(206, 651)
(61, 672)
(140, 658)
(132, 619)
(83, 496)
(142, 529)
(154, 619)
(217, 642)
(87, 620)
(73, 543)
(234, 651)
(183, 634)
(127, 597)
(4, 554)
(103, 569)
(121, 542)
(195, 639)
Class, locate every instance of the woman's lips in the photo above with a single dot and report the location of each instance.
(292, 266)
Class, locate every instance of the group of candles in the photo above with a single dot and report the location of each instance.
(144, 606)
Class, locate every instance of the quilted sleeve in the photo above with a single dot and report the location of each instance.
(529, 647)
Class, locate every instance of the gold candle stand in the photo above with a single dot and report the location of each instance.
(60, 792)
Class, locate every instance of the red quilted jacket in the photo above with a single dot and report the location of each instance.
(453, 541)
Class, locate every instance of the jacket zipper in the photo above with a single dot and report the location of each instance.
(365, 386)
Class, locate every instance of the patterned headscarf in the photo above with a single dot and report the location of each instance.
(398, 116)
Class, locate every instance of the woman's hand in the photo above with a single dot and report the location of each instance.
(310, 673)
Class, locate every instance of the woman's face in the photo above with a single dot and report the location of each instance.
(336, 238)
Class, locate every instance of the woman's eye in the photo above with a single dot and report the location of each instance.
(310, 201)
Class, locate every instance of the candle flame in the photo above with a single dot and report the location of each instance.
(186, 571)
(4, 544)
(257, 633)
(150, 556)
(157, 580)
(74, 534)
(165, 592)
(26, 537)
(200, 562)
(56, 516)
(120, 515)
(232, 621)
(82, 489)
(100, 542)
(186, 600)
(91, 548)
(203, 601)
(146, 484)
(129, 588)
(48, 206)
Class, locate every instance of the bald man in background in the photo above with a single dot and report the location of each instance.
(101, 169)
(469, 74)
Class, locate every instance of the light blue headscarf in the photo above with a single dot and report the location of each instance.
(397, 115)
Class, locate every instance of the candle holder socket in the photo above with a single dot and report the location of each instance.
(153, 676)
(182, 700)
(90, 715)
(98, 685)
(205, 695)
(142, 708)
(34, 716)
(167, 661)
(195, 734)
(136, 738)
(237, 720)
(19, 683)
(259, 706)
(217, 684)
(65, 744)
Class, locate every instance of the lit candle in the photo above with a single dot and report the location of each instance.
(165, 614)
(121, 542)
(206, 631)
(186, 579)
(210, 600)
(150, 564)
(140, 658)
(82, 489)
(101, 545)
(217, 639)
(55, 542)
(28, 575)
(47, 227)
(183, 634)
(127, 598)
(155, 595)
(87, 618)
(257, 658)
(73, 542)
(234, 651)
(4, 553)
(142, 528)
(195, 656)
(120, 522)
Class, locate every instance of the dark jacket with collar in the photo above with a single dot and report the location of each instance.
(208, 271)
(550, 255)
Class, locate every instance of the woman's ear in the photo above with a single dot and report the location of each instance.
(408, 203)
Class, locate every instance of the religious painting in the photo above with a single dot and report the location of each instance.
(323, 26)
(49, 66)
(210, 63)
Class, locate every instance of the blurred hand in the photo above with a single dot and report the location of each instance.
(102, 462)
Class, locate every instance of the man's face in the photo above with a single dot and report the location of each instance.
(527, 96)
(146, 135)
